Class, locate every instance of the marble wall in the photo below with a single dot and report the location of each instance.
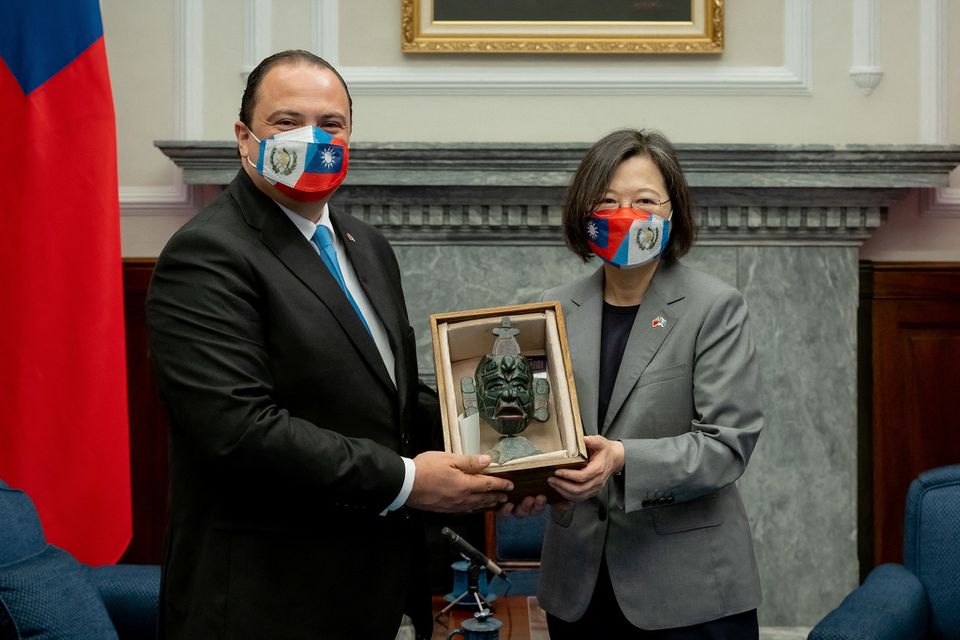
(800, 487)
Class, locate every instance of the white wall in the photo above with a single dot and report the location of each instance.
(177, 69)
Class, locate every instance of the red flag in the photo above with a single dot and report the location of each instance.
(63, 400)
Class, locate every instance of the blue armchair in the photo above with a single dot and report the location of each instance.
(515, 545)
(921, 598)
(46, 593)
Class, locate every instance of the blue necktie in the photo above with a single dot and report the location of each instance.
(324, 241)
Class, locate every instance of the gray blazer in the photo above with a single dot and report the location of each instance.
(687, 407)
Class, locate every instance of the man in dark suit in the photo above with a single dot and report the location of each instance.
(288, 368)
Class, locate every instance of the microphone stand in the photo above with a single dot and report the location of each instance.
(473, 588)
(483, 624)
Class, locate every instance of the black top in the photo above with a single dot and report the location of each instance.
(614, 331)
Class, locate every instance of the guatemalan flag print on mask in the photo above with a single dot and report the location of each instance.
(307, 164)
(627, 238)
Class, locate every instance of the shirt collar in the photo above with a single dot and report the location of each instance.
(308, 227)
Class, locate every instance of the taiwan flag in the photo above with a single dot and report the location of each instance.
(605, 236)
(63, 399)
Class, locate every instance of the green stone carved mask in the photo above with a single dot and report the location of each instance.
(505, 392)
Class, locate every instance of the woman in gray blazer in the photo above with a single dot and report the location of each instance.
(655, 542)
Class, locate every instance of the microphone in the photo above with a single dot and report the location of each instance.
(467, 549)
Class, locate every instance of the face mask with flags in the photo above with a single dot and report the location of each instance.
(306, 163)
(627, 238)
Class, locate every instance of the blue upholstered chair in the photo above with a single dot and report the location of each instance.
(515, 545)
(46, 593)
(921, 597)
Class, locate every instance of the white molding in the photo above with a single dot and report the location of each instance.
(257, 34)
(187, 113)
(798, 41)
(145, 200)
(942, 202)
(933, 71)
(188, 66)
(865, 71)
(325, 38)
(794, 78)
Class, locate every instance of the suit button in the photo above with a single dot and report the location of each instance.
(668, 500)
(405, 439)
(602, 512)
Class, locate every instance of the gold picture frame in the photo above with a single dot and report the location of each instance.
(521, 26)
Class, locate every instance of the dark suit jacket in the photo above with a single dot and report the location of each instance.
(687, 406)
(285, 431)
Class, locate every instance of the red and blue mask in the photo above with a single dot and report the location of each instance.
(306, 163)
(627, 238)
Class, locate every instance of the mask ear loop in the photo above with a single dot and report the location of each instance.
(259, 142)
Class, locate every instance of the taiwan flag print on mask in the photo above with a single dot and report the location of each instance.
(627, 238)
(307, 164)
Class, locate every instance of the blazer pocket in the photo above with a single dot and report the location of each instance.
(562, 518)
(665, 373)
(688, 516)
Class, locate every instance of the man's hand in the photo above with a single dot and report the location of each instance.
(529, 506)
(449, 483)
(577, 485)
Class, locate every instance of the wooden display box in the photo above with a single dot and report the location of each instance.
(460, 339)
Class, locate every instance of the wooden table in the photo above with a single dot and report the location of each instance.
(522, 618)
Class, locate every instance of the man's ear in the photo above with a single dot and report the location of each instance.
(243, 136)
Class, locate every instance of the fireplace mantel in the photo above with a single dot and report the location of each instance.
(552, 164)
(465, 193)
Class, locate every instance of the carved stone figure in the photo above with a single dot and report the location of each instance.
(507, 395)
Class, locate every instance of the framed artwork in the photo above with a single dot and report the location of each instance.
(562, 26)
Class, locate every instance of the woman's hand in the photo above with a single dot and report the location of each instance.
(577, 485)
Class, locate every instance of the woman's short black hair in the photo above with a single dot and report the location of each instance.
(593, 176)
(292, 56)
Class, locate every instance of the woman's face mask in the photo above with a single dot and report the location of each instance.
(627, 238)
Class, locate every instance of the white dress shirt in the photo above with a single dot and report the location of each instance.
(308, 228)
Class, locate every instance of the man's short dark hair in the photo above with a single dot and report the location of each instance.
(593, 176)
(292, 57)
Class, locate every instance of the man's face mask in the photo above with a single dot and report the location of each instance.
(627, 238)
(307, 164)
